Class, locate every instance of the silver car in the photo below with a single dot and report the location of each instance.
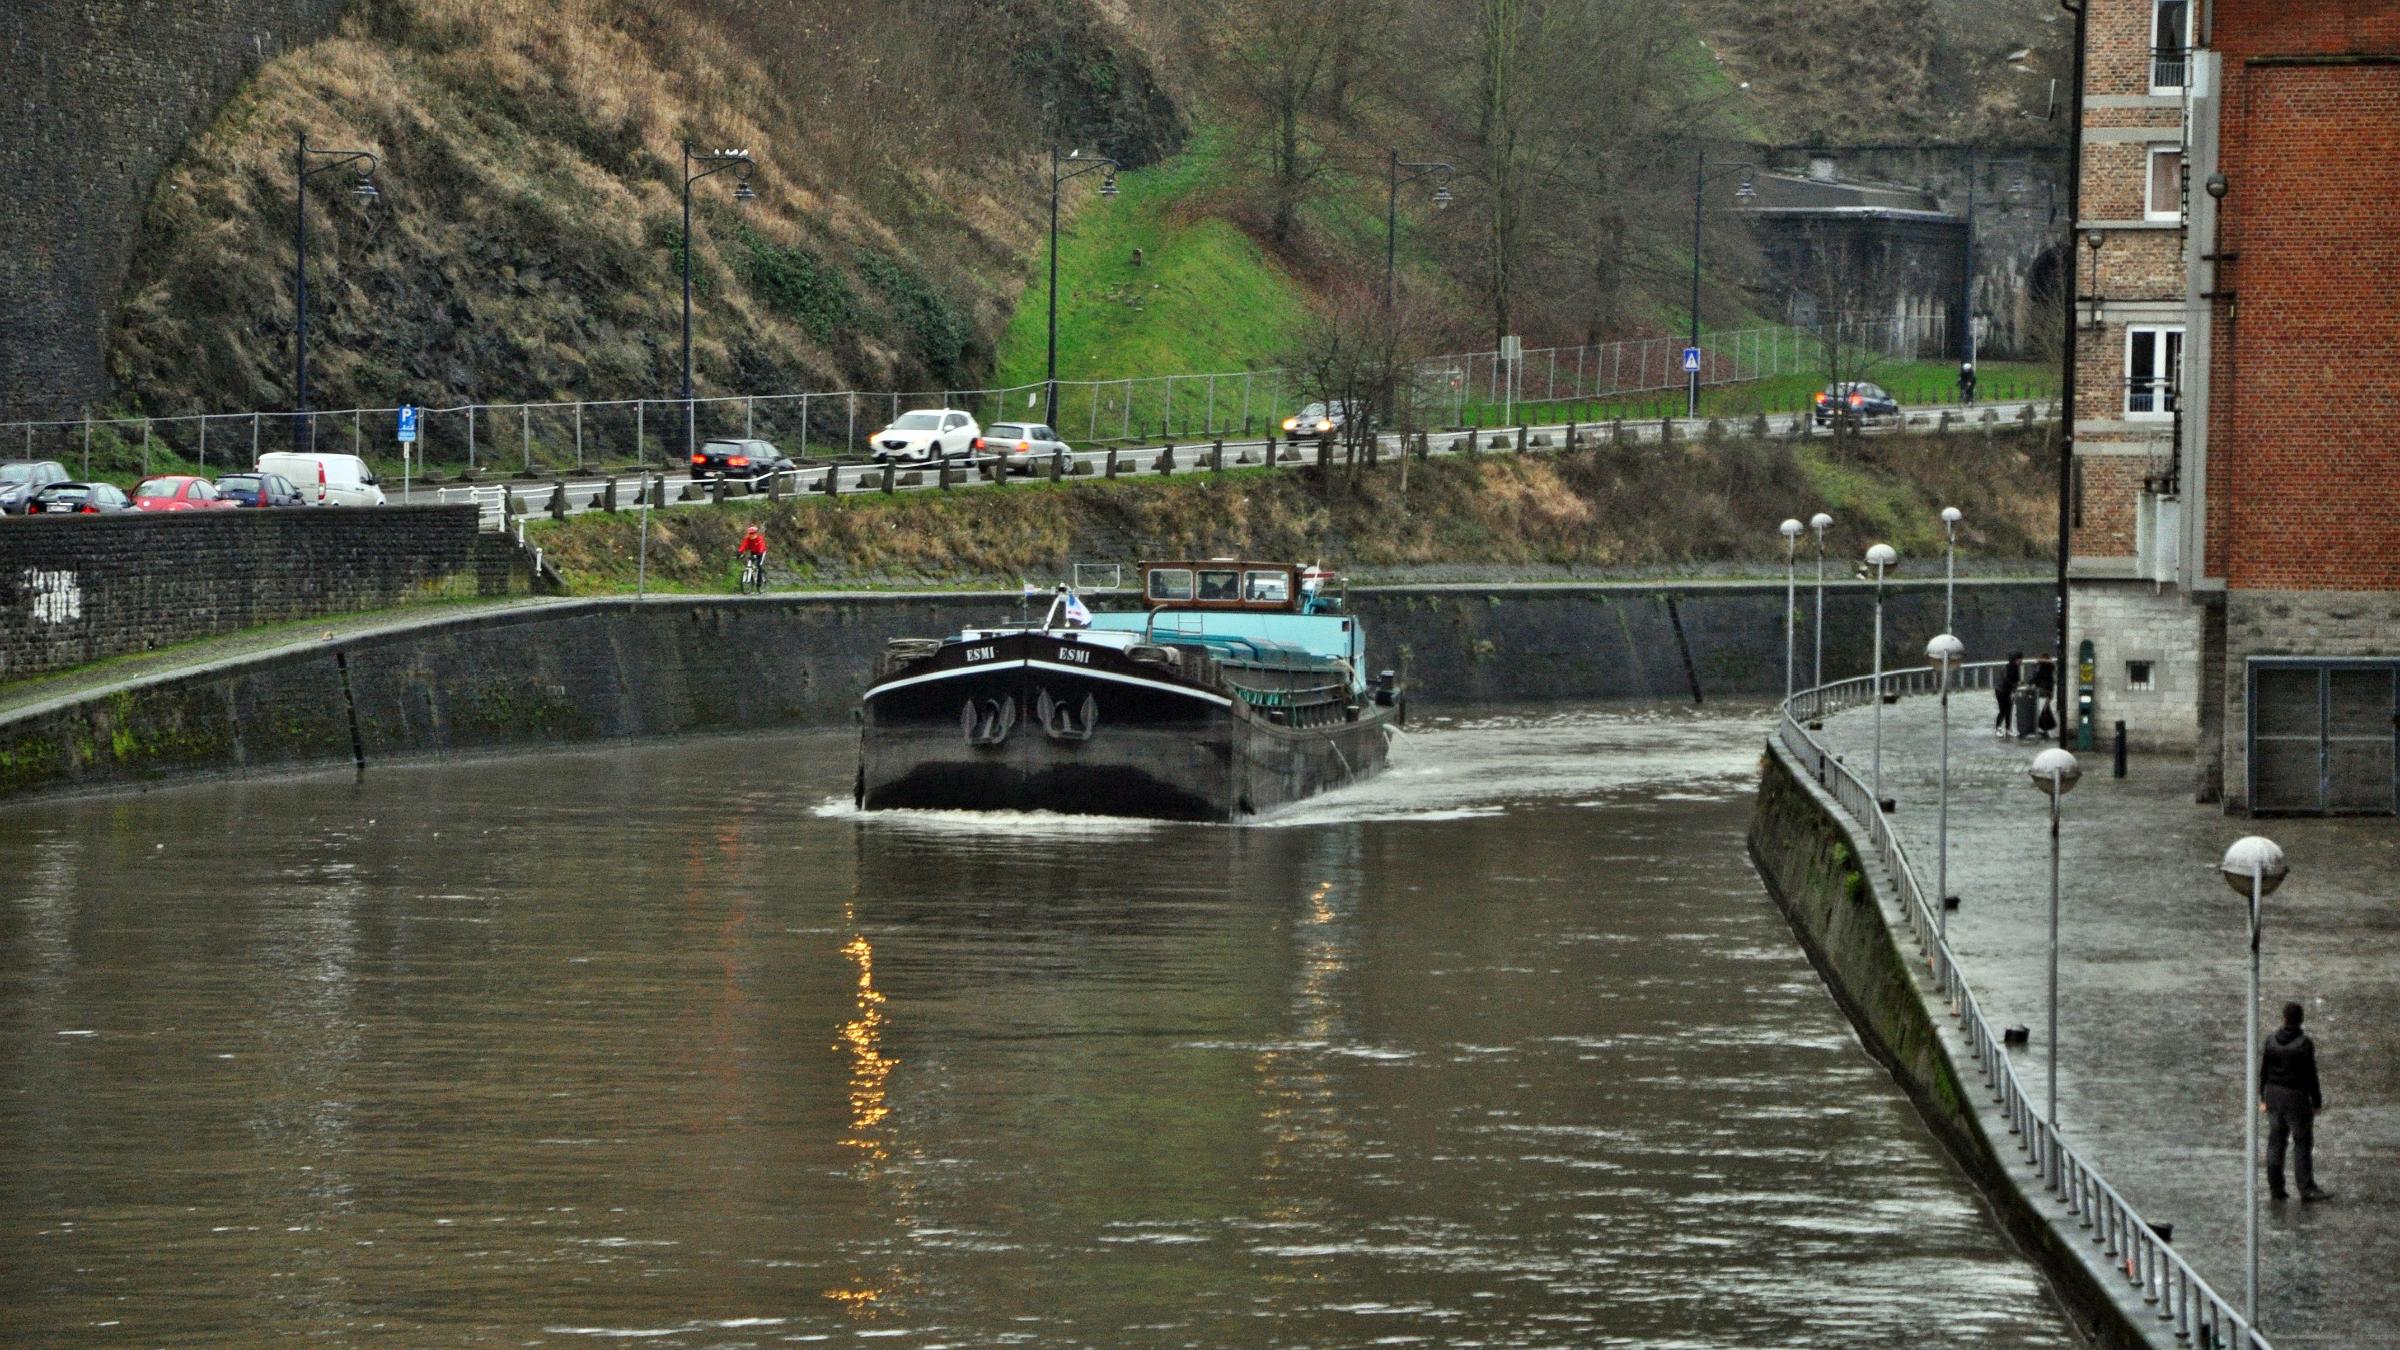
(1023, 446)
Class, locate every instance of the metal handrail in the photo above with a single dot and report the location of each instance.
(2198, 1314)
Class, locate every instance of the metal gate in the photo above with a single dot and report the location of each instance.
(2324, 735)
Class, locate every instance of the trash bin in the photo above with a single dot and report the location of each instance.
(2029, 708)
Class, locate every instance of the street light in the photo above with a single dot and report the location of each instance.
(1820, 522)
(303, 428)
(1951, 515)
(713, 162)
(1880, 557)
(2055, 773)
(1791, 601)
(1747, 188)
(1391, 211)
(2016, 189)
(2253, 867)
(1945, 652)
(1059, 177)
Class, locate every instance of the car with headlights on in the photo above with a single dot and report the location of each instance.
(1023, 446)
(1324, 419)
(1854, 403)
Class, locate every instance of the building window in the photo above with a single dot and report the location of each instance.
(2170, 45)
(2141, 675)
(2164, 199)
(2153, 371)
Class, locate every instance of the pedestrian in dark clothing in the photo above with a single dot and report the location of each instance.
(2005, 689)
(2288, 1091)
(1966, 383)
(2045, 686)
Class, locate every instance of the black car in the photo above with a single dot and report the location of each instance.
(1854, 402)
(23, 478)
(242, 488)
(739, 458)
(87, 499)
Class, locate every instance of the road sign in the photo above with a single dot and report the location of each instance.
(408, 423)
(1691, 360)
(1512, 348)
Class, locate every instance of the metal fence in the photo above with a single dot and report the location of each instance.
(587, 434)
(2195, 1313)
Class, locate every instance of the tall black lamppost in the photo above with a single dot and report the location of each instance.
(1060, 175)
(1391, 212)
(1746, 190)
(303, 434)
(2016, 190)
(712, 162)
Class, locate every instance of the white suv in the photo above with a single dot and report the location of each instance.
(926, 434)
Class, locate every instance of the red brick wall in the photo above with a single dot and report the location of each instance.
(2304, 490)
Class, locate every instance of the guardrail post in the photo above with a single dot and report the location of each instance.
(608, 495)
(1112, 461)
(1520, 439)
(1058, 465)
(891, 477)
(1216, 457)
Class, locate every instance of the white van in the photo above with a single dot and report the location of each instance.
(325, 479)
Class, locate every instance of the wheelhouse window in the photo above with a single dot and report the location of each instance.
(1170, 583)
(2153, 371)
(1270, 588)
(1224, 585)
(2170, 45)
(2164, 200)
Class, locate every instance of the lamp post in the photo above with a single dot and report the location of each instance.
(1391, 212)
(1748, 189)
(2016, 189)
(1945, 652)
(2055, 773)
(2253, 867)
(303, 429)
(712, 162)
(1820, 522)
(1060, 175)
(1791, 600)
(1880, 557)
(1951, 515)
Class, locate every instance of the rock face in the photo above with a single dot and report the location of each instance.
(104, 93)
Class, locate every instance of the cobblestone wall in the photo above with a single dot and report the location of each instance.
(102, 93)
(80, 588)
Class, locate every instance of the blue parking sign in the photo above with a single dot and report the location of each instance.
(408, 423)
(1691, 360)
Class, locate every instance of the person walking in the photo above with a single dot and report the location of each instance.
(2045, 687)
(1966, 383)
(2005, 689)
(2288, 1093)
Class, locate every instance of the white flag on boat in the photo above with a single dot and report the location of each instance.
(1030, 588)
(1077, 615)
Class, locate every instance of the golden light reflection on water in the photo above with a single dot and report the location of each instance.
(870, 1071)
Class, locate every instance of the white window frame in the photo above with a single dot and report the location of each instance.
(2160, 332)
(2184, 41)
(2152, 208)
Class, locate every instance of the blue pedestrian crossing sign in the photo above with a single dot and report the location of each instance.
(1691, 360)
(408, 423)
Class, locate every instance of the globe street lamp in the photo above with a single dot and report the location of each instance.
(1391, 211)
(1951, 515)
(1060, 176)
(303, 427)
(712, 162)
(1880, 557)
(2055, 773)
(1820, 522)
(1791, 600)
(1946, 653)
(2253, 867)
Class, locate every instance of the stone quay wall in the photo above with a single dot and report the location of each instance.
(82, 588)
(579, 671)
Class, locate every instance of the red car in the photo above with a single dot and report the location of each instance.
(177, 492)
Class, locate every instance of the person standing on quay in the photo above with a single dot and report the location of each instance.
(2045, 686)
(2288, 1093)
(2005, 689)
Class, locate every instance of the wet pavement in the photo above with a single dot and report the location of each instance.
(2153, 952)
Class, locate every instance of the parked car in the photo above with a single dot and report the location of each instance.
(326, 479)
(1322, 419)
(1854, 401)
(1023, 446)
(241, 489)
(926, 434)
(21, 479)
(178, 492)
(89, 499)
(739, 458)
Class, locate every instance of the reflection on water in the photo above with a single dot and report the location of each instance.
(1505, 1047)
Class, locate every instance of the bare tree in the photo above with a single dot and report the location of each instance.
(1362, 355)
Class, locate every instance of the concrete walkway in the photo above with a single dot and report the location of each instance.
(2154, 964)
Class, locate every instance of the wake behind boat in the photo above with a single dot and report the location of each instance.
(1237, 689)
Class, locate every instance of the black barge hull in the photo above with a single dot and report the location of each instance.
(1042, 722)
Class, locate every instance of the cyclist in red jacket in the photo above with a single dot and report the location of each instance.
(752, 552)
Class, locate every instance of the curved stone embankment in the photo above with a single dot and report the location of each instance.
(578, 671)
(1846, 913)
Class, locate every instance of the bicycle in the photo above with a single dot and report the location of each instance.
(754, 573)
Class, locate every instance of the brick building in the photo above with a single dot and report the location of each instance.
(2235, 501)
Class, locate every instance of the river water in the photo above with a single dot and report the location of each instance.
(667, 1043)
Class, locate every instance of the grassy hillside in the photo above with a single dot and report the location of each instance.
(1686, 506)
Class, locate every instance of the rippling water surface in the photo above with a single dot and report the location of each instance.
(1505, 1048)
